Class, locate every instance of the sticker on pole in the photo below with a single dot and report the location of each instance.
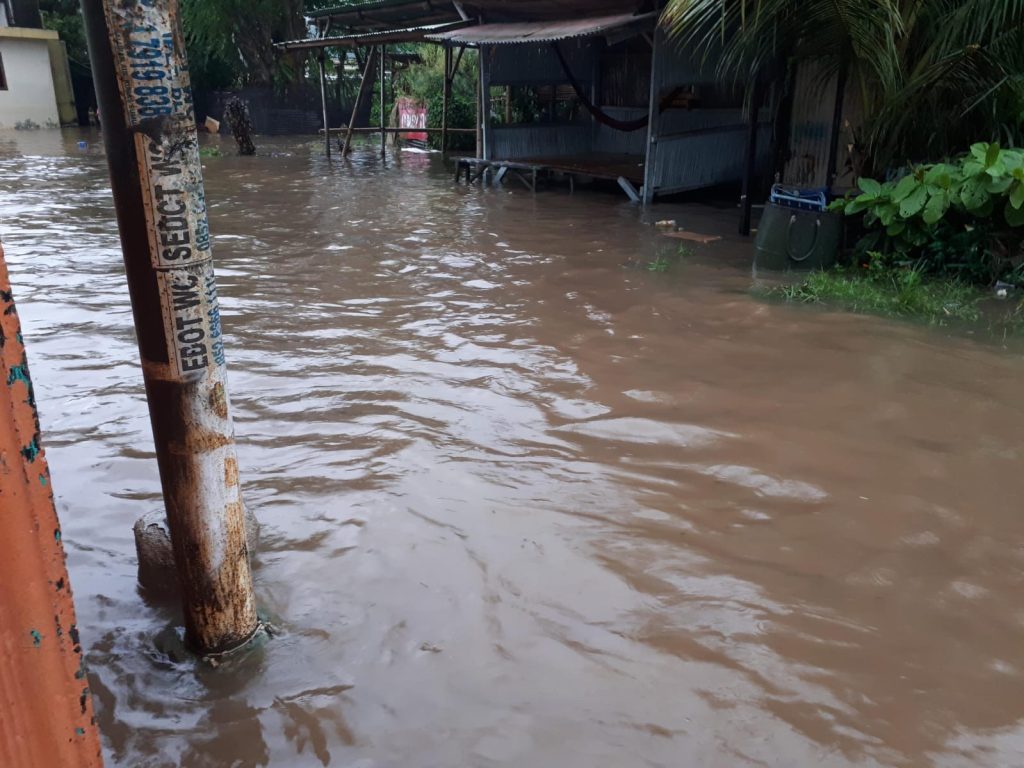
(189, 301)
(155, 88)
(153, 80)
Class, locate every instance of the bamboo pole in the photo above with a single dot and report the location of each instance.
(831, 171)
(479, 112)
(46, 713)
(383, 105)
(364, 88)
(654, 122)
(750, 162)
(137, 51)
(323, 101)
(446, 96)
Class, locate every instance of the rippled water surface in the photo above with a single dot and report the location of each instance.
(524, 505)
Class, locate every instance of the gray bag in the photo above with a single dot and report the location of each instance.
(792, 239)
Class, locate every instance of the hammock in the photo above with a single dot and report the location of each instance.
(599, 114)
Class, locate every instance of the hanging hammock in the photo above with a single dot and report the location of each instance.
(599, 114)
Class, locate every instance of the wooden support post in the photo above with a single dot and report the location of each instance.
(629, 189)
(837, 129)
(157, 183)
(487, 142)
(479, 111)
(446, 96)
(383, 104)
(782, 128)
(508, 105)
(323, 101)
(653, 123)
(595, 88)
(364, 90)
(753, 126)
(45, 703)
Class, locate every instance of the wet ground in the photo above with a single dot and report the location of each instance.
(524, 503)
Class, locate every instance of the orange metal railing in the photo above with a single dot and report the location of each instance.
(46, 716)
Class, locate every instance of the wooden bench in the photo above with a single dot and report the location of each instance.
(475, 168)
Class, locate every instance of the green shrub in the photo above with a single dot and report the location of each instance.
(963, 218)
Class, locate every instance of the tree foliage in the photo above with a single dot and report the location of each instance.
(933, 76)
(65, 17)
(230, 42)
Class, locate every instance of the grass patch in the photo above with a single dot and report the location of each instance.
(666, 260)
(903, 293)
(209, 152)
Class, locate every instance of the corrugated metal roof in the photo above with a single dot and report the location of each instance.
(378, 14)
(409, 35)
(539, 31)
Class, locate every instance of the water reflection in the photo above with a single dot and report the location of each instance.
(523, 505)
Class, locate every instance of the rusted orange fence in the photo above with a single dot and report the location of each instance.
(46, 718)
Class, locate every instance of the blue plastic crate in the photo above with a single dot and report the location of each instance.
(801, 199)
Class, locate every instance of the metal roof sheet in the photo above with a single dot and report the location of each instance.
(381, 14)
(539, 31)
(408, 35)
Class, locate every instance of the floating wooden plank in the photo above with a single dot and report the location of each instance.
(693, 237)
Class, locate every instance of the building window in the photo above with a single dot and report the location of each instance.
(3, 75)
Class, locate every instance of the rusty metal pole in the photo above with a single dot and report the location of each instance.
(46, 716)
(142, 84)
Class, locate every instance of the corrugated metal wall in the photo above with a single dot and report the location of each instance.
(545, 140)
(814, 97)
(538, 64)
(611, 141)
(710, 156)
(704, 160)
(683, 162)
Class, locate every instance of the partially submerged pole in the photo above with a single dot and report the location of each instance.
(446, 95)
(750, 162)
(383, 116)
(138, 62)
(479, 111)
(654, 121)
(364, 91)
(46, 714)
(323, 101)
(832, 172)
(487, 150)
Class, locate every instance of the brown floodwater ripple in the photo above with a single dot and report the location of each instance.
(524, 504)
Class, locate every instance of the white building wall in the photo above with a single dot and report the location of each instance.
(30, 92)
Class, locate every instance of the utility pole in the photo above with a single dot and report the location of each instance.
(142, 84)
(46, 715)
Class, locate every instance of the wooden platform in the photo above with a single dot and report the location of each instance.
(597, 166)
(626, 170)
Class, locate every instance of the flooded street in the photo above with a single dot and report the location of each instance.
(522, 504)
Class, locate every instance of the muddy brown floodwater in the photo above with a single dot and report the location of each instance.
(523, 505)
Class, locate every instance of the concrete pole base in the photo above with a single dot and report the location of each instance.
(157, 574)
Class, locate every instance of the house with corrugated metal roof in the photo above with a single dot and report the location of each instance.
(614, 98)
